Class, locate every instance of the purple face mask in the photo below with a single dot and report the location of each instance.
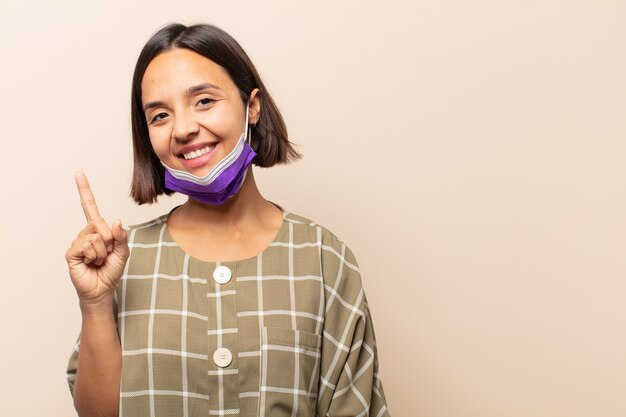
(222, 182)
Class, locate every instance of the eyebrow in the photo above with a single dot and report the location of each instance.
(190, 90)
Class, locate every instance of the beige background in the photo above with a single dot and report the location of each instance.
(471, 153)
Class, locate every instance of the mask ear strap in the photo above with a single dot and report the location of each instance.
(248, 130)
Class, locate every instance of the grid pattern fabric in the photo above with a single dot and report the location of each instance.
(294, 320)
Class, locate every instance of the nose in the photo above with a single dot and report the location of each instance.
(185, 127)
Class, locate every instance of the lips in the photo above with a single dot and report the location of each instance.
(194, 147)
(199, 152)
(200, 160)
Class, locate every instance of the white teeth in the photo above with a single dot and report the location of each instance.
(199, 152)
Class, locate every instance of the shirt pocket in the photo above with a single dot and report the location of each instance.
(289, 377)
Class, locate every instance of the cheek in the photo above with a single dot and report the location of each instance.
(221, 122)
(159, 139)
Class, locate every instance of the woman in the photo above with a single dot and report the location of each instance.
(228, 304)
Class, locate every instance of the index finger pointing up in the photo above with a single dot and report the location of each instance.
(86, 197)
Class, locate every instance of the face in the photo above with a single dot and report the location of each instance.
(194, 112)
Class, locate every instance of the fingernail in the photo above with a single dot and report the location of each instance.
(109, 248)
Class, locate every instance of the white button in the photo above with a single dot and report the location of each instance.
(222, 274)
(222, 357)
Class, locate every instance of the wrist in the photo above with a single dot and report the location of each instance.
(99, 307)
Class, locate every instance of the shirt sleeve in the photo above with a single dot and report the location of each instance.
(72, 364)
(350, 383)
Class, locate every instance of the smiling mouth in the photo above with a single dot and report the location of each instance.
(197, 153)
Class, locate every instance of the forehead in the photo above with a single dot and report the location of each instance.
(174, 71)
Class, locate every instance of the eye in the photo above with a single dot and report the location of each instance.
(156, 118)
(205, 101)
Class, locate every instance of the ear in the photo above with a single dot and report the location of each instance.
(255, 107)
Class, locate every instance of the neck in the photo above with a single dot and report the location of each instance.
(245, 207)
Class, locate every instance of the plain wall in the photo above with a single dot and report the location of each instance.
(471, 153)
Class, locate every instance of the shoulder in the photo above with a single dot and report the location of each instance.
(334, 251)
(338, 267)
(317, 232)
(147, 230)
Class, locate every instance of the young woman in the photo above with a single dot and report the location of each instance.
(228, 304)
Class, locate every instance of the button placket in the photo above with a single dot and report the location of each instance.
(222, 356)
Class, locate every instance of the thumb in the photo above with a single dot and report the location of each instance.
(120, 237)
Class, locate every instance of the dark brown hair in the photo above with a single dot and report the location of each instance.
(269, 139)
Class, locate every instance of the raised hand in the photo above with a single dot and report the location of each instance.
(97, 256)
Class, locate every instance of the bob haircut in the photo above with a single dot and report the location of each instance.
(269, 141)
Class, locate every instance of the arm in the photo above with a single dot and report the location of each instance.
(94, 374)
(350, 384)
(96, 261)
